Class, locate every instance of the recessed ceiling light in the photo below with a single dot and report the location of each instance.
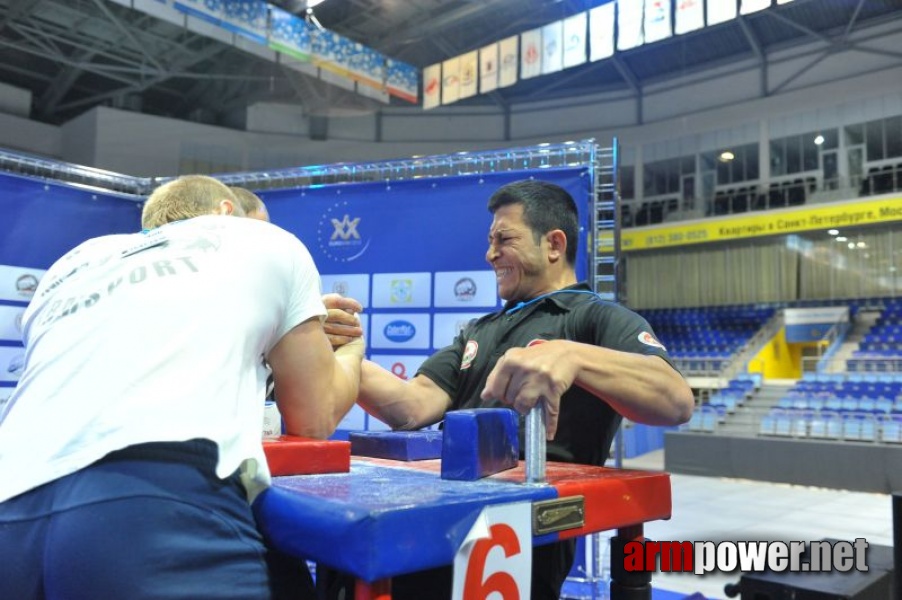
(726, 156)
(842, 238)
(819, 140)
(833, 231)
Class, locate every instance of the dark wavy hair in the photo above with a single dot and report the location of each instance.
(546, 206)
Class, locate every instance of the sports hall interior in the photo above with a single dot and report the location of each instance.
(759, 208)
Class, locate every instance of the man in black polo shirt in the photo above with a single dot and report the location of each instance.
(588, 361)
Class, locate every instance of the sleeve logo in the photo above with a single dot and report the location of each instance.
(649, 340)
(469, 354)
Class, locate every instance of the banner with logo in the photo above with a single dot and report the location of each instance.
(690, 15)
(507, 61)
(488, 68)
(412, 252)
(41, 222)
(432, 86)
(552, 47)
(750, 6)
(720, 11)
(601, 32)
(575, 28)
(630, 14)
(451, 80)
(531, 53)
(469, 70)
(657, 20)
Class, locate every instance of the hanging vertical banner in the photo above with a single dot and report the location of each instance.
(432, 86)
(507, 61)
(690, 15)
(552, 47)
(402, 80)
(531, 53)
(629, 23)
(720, 11)
(469, 69)
(750, 6)
(657, 20)
(575, 39)
(488, 68)
(451, 80)
(601, 32)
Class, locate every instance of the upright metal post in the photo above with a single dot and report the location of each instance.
(535, 444)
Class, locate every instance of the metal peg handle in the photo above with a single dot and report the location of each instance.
(535, 444)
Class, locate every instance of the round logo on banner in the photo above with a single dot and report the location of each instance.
(341, 232)
(26, 284)
(465, 289)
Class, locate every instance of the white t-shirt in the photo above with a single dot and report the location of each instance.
(155, 337)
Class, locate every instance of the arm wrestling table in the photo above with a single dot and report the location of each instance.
(387, 518)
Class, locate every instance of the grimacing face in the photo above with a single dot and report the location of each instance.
(521, 267)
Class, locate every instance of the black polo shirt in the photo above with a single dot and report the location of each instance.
(586, 424)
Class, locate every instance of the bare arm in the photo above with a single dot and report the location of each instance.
(315, 387)
(642, 388)
(401, 404)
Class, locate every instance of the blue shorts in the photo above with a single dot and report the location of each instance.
(149, 521)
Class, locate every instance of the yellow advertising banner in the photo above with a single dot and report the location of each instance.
(775, 222)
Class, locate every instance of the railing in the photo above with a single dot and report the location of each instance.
(782, 192)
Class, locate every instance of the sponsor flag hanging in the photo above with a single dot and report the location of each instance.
(531, 53)
(629, 24)
(750, 6)
(552, 50)
(601, 32)
(451, 80)
(690, 15)
(720, 11)
(575, 39)
(488, 68)
(432, 86)
(507, 61)
(469, 69)
(657, 20)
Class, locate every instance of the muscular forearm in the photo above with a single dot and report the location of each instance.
(399, 403)
(642, 388)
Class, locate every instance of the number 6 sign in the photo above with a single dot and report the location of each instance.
(494, 562)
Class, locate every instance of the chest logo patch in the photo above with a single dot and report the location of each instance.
(649, 340)
(470, 351)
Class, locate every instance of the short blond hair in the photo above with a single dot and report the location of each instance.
(250, 201)
(186, 197)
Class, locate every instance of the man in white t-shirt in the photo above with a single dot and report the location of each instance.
(130, 450)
